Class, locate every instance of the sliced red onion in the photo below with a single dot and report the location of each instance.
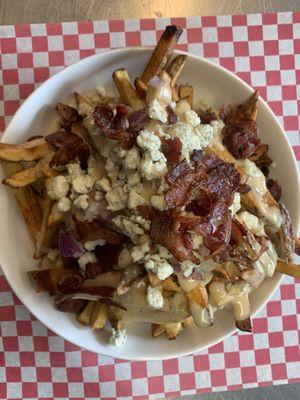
(196, 275)
(176, 266)
(156, 82)
(69, 246)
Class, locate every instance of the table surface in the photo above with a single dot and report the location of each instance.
(29, 11)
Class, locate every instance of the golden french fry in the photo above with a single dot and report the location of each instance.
(110, 279)
(186, 92)
(161, 53)
(198, 296)
(250, 107)
(175, 68)
(46, 233)
(85, 316)
(83, 104)
(47, 279)
(30, 151)
(172, 330)
(140, 87)
(175, 94)
(27, 176)
(27, 200)
(55, 216)
(157, 330)
(187, 322)
(167, 284)
(288, 269)
(127, 92)
(99, 315)
(115, 316)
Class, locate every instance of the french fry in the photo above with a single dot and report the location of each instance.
(46, 233)
(187, 322)
(140, 87)
(99, 315)
(157, 330)
(27, 200)
(83, 104)
(127, 92)
(115, 316)
(167, 284)
(175, 94)
(175, 68)
(186, 92)
(47, 279)
(172, 330)
(55, 216)
(250, 107)
(161, 53)
(288, 269)
(27, 176)
(29, 151)
(85, 316)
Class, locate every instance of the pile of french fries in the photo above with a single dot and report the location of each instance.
(26, 167)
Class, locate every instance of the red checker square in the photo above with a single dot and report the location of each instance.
(277, 108)
(41, 74)
(285, 31)
(201, 363)
(217, 348)
(245, 342)
(8, 45)
(218, 377)
(25, 60)
(2, 361)
(187, 381)
(241, 49)
(262, 91)
(262, 356)
(239, 20)
(39, 43)
(297, 154)
(172, 394)
(138, 369)
(289, 322)
(106, 373)
(228, 62)
(24, 328)
(56, 58)
(271, 47)
(260, 325)
(292, 353)
(225, 34)
(27, 358)
(293, 380)
(255, 32)
(296, 16)
(278, 371)
(170, 367)
(3, 390)
(269, 19)
(4, 286)
(91, 390)
(102, 40)
(147, 24)
(10, 76)
(71, 42)
(266, 383)
(234, 387)
(43, 374)
(8, 312)
(288, 291)
(291, 124)
(155, 384)
(289, 92)
(133, 38)
(123, 388)
(2, 124)
(74, 374)
(194, 35)
(29, 390)
(22, 30)
(60, 389)
(257, 63)
(276, 339)
(246, 76)
(40, 343)
(13, 374)
(248, 374)
(116, 25)
(182, 46)
(297, 46)
(179, 21)
(287, 62)
(70, 346)
(209, 21)
(274, 307)
(16, 300)
(232, 359)
(273, 78)
(54, 29)
(86, 53)
(85, 27)
(10, 108)
(57, 359)
(88, 359)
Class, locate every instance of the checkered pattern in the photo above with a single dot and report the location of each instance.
(34, 363)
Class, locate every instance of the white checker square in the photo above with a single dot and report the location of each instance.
(69, 28)
(139, 387)
(297, 61)
(105, 360)
(6, 298)
(288, 77)
(122, 371)
(148, 38)
(290, 107)
(285, 17)
(75, 390)
(25, 343)
(2, 375)
(224, 20)
(101, 26)
(40, 59)
(264, 373)
(286, 47)
(107, 389)
(71, 56)
(186, 392)
(294, 140)
(270, 32)
(183, 37)
(28, 374)
(156, 396)
(38, 29)
(210, 35)
(45, 390)
(277, 355)
(242, 64)
(22, 313)
(8, 328)
(254, 19)
(42, 358)
(86, 41)
(196, 48)
(292, 369)
(171, 383)
(274, 324)
(90, 374)
(9, 61)
(240, 33)
(26, 75)
(7, 31)
(14, 390)
(12, 358)
(216, 361)
(59, 374)
(231, 344)
(38, 329)
(55, 43)
(202, 380)
(193, 22)
(261, 340)
(258, 78)
(117, 39)
(56, 343)
(186, 364)
(154, 368)
(233, 376)
(291, 338)
(73, 359)
(256, 48)
(24, 45)
(11, 92)
(274, 93)
(272, 63)
(249, 385)
(296, 31)
(132, 25)
(226, 49)
(247, 358)
(276, 295)
(161, 23)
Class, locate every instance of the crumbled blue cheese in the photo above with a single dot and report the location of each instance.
(103, 184)
(118, 338)
(159, 266)
(192, 118)
(158, 201)
(217, 126)
(236, 204)
(135, 197)
(139, 252)
(133, 178)
(127, 227)
(147, 140)
(252, 223)
(64, 204)
(156, 110)
(58, 187)
(125, 258)
(83, 184)
(85, 258)
(153, 169)
(187, 267)
(154, 297)
(132, 158)
(74, 171)
(82, 201)
(90, 245)
(116, 199)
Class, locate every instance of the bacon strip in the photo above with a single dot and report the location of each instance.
(96, 229)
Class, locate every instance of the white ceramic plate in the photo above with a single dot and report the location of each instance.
(212, 83)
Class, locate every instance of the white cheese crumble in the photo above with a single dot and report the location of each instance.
(187, 267)
(147, 140)
(82, 201)
(127, 227)
(59, 187)
(74, 171)
(118, 338)
(83, 184)
(252, 223)
(85, 258)
(90, 245)
(64, 204)
(103, 184)
(157, 111)
(139, 252)
(153, 169)
(154, 297)
(217, 126)
(124, 259)
(158, 201)
(159, 266)
(116, 199)
(133, 178)
(132, 158)
(236, 204)
(135, 197)
(192, 118)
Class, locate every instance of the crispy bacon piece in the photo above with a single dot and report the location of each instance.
(172, 117)
(171, 148)
(70, 282)
(103, 291)
(207, 116)
(68, 115)
(68, 147)
(107, 257)
(65, 303)
(96, 229)
(244, 326)
(274, 189)
(138, 120)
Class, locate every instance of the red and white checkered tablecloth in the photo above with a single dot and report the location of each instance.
(264, 50)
